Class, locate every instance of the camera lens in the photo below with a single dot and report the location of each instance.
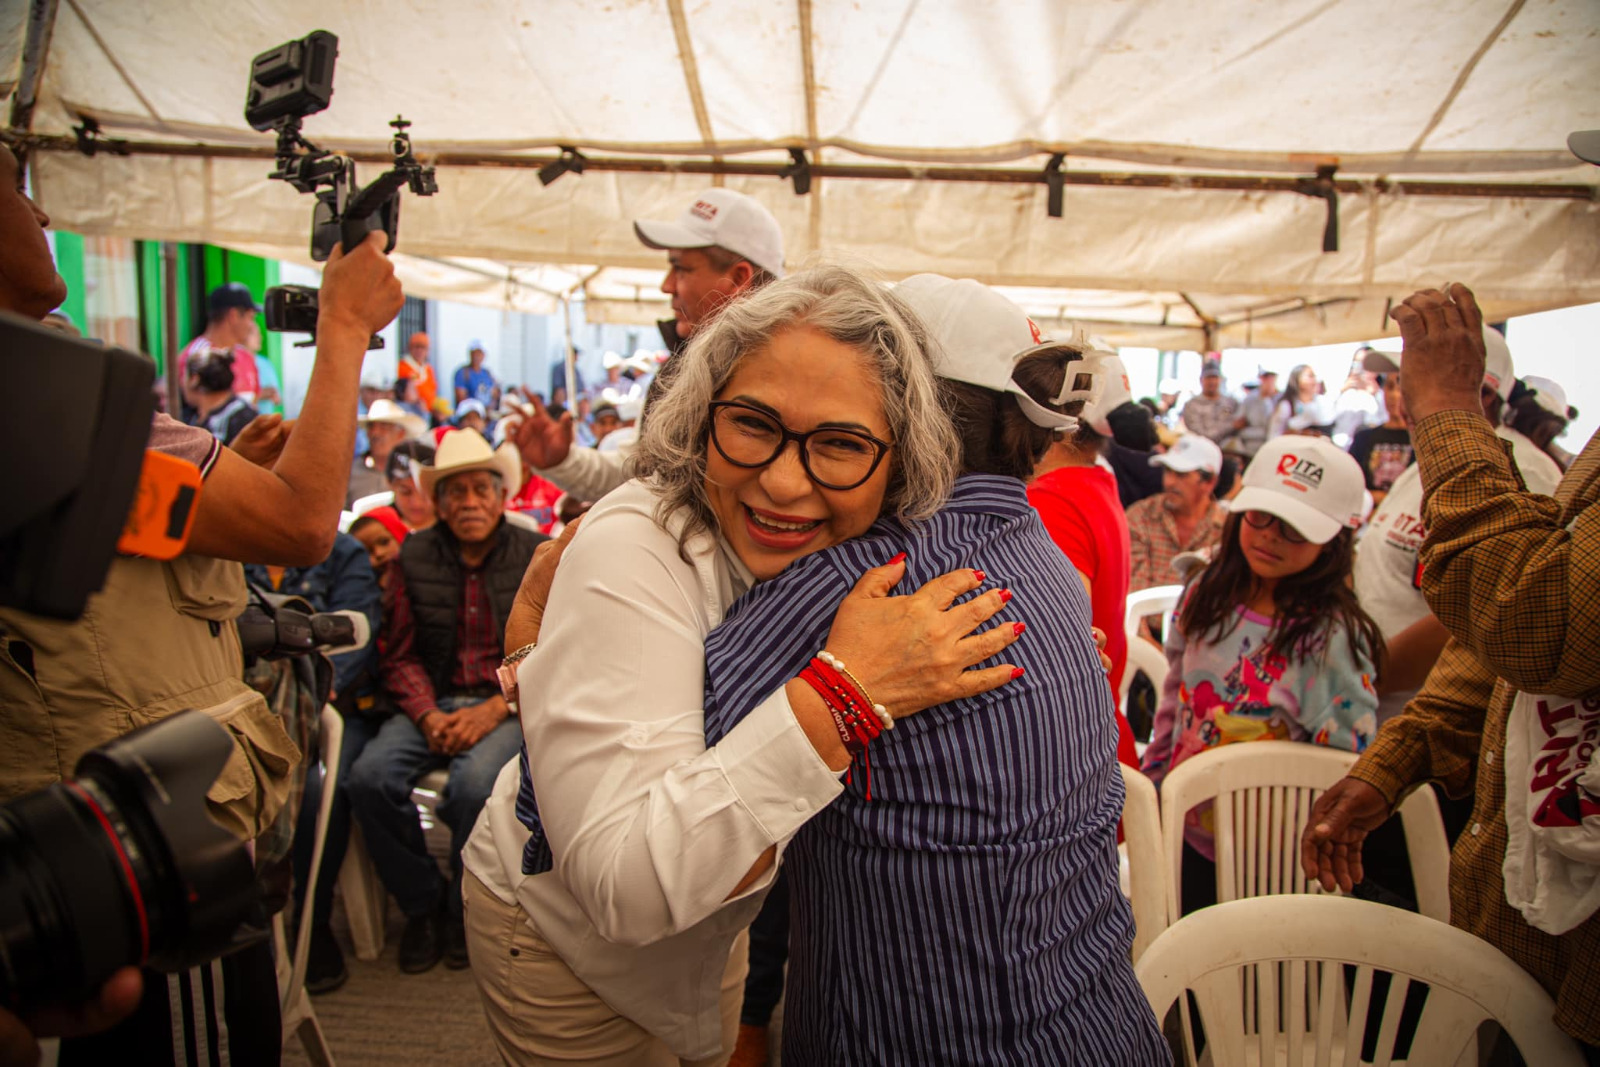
(122, 866)
(72, 906)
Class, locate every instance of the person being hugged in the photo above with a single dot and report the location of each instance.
(1269, 642)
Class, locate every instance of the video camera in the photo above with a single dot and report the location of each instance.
(122, 866)
(287, 84)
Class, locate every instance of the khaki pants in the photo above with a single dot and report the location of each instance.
(541, 1013)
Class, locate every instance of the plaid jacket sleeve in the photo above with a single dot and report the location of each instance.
(1437, 736)
(1513, 575)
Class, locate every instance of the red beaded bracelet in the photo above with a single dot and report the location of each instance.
(854, 715)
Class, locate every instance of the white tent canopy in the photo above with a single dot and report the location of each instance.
(1393, 95)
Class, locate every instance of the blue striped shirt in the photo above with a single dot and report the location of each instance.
(969, 913)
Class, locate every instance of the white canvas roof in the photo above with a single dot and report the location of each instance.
(1157, 90)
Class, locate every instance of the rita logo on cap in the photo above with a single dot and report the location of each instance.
(1033, 328)
(704, 210)
(1301, 474)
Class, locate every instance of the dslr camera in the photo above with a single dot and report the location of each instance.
(287, 84)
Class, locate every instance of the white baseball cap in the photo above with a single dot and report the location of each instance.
(1499, 373)
(723, 218)
(1191, 452)
(1115, 391)
(1309, 482)
(980, 336)
(1546, 392)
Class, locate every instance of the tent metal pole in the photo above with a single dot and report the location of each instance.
(876, 171)
(35, 52)
(169, 294)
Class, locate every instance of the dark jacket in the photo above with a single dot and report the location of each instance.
(430, 560)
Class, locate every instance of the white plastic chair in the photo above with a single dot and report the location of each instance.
(1141, 836)
(1142, 656)
(1261, 794)
(366, 902)
(363, 504)
(1269, 977)
(1157, 600)
(299, 1019)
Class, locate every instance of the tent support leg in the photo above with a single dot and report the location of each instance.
(35, 51)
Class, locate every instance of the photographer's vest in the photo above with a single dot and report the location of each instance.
(430, 560)
(157, 639)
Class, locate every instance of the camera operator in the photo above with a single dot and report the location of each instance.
(159, 638)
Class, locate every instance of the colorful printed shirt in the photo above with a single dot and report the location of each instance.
(1227, 689)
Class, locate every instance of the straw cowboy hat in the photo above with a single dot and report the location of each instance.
(386, 410)
(466, 450)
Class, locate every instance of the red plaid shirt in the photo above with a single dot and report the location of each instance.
(479, 646)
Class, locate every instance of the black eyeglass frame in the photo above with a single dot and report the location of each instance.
(881, 448)
(1286, 529)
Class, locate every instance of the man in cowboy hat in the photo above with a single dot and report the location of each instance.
(386, 424)
(443, 641)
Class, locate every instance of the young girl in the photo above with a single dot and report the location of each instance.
(1268, 641)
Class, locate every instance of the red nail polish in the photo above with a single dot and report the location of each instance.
(1018, 628)
(979, 576)
(1005, 596)
(897, 559)
(1017, 672)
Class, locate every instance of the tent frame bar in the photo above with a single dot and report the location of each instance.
(868, 172)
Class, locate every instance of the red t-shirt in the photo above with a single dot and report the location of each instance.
(1080, 509)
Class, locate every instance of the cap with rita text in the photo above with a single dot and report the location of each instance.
(1309, 482)
(723, 218)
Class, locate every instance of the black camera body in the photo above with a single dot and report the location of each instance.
(287, 84)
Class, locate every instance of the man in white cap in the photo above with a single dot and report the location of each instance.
(1186, 517)
(722, 245)
(1509, 714)
(444, 635)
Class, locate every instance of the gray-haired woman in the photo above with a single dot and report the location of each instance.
(606, 920)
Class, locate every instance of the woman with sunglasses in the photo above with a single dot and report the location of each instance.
(611, 880)
(1268, 641)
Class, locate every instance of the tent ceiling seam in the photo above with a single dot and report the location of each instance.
(808, 69)
(691, 75)
(1465, 73)
(116, 65)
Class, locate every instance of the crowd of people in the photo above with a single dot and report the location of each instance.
(727, 721)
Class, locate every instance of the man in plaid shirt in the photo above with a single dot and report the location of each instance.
(1515, 578)
(442, 643)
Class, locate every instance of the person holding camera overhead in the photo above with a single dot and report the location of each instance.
(159, 638)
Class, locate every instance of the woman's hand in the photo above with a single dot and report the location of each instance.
(527, 610)
(913, 652)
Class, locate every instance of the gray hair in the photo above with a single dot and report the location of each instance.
(851, 308)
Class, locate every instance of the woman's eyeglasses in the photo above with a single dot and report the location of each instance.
(834, 458)
(1263, 520)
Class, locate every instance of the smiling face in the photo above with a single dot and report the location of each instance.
(1270, 555)
(29, 284)
(773, 515)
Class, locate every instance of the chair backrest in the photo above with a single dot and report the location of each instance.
(1272, 972)
(363, 504)
(1157, 600)
(1261, 794)
(1141, 832)
(1142, 656)
(331, 742)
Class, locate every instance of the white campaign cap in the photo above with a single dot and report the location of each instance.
(980, 336)
(1549, 394)
(1309, 482)
(1499, 373)
(723, 218)
(1115, 391)
(1191, 452)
